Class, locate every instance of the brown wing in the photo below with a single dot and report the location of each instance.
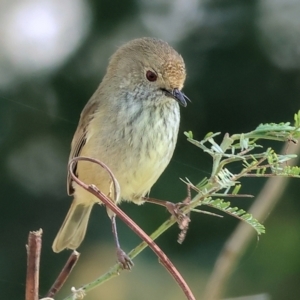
(79, 138)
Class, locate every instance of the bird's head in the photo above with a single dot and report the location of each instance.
(150, 69)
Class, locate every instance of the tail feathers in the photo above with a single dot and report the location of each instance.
(73, 229)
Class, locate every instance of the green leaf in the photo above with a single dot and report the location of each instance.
(208, 135)
(240, 214)
(297, 119)
(189, 134)
(243, 148)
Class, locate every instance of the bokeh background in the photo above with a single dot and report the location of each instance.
(243, 62)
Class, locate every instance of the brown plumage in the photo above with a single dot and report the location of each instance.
(131, 124)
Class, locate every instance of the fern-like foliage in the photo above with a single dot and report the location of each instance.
(254, 162)
(236, 212)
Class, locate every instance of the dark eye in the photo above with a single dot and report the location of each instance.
(151, 76)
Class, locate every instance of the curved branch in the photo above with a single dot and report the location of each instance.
(164, 260)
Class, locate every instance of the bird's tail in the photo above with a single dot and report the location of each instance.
(73, 229)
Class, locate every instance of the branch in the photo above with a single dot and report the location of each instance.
(64, 274)
(164, 260)
(33, 264)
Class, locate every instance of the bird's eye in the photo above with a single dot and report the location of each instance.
(151, 76)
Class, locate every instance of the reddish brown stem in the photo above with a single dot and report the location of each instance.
(33, 264)
(64, 274)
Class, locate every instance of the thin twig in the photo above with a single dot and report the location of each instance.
(164, 260)
(241, 237)
(33, 264)
(233, 195)
(272, 175)
(206, 212)
(64, 274)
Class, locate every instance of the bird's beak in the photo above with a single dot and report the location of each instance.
(179, 96)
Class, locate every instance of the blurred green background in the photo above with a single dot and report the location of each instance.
(243, 62)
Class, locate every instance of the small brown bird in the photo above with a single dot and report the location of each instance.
(131, 124)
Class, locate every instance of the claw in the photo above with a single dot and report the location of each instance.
(175, 210)
(124, 259)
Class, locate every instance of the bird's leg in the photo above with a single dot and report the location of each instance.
(175, 210)
(123, 258)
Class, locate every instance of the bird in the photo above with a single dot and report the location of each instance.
(130, 124)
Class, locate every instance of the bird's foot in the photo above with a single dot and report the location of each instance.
(182, 219)
(124, 260)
